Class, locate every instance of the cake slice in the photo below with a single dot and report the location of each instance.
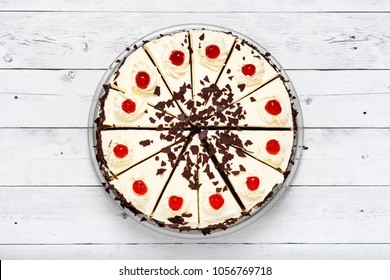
(171, 55)
(246, 70)
(123, 149)
(129, 110)
(267, 107)
(178, 206)
(137, 75)
(217, 206)
(272, 106)
(252, 180)
(210, 50)
(271, 147)
(141, 185)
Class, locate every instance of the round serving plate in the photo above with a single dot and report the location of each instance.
(256, 212)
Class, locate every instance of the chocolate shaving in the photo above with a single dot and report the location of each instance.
(241, 87)
(240, 153)
(160, 171)
(201, 37)
(145, 143)
(160, 128)
(157, 91)
(177, 220)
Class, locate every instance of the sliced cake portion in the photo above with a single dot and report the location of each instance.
(217, 206)
(246, 70)
(171, 55)
(210, 50)
(142, 184)
(130, 110)
(271, 147)
(252, 180)
(123, 149)
(137, 75)
(178, 206)
(267, 107)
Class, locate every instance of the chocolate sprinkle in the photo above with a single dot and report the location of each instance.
(160, 171)
(241, 87)
(157, 91)
(145, 143)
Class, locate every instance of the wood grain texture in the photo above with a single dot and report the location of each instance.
(197, 6)
(61, 157)
(46, 96)
(203, 251)
(93, 40)
(39, 215)
(52, 55)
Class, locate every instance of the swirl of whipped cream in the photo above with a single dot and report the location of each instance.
(112, 159)
(243, 189)
(154, 79)
(274, 160)
(256, 78)
(171, 69)
(140, 107)
(214, 64)
(206, 203)
(137, 199)
(184, 208)
(279, 119)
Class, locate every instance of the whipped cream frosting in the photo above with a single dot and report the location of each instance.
(154, 79)
(112, 159)
(281, 119)
(274, 160)
(213, 64)
(242, 188)
(175, 71)
(140, 107)
(206, 204)
(137, 200)
(184, 208)
(256, 78)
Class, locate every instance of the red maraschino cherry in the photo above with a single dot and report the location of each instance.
(129, 106)
(212, 51)
(175, 202)
(253, 183)
(121, 151)
(248, 69)
(177, 57)
(216, 201)
(273, 107)
(142, 79)
(139, 187)
(273, 147)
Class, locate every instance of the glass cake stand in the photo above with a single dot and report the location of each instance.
(256, 213)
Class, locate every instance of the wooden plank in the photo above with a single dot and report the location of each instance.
(84, 82)
(197, 6)
(322, 215)
(188, 251)
(56, 93)
(61, 157)
(92, 40)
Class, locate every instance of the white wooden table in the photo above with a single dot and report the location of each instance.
(52, 55)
